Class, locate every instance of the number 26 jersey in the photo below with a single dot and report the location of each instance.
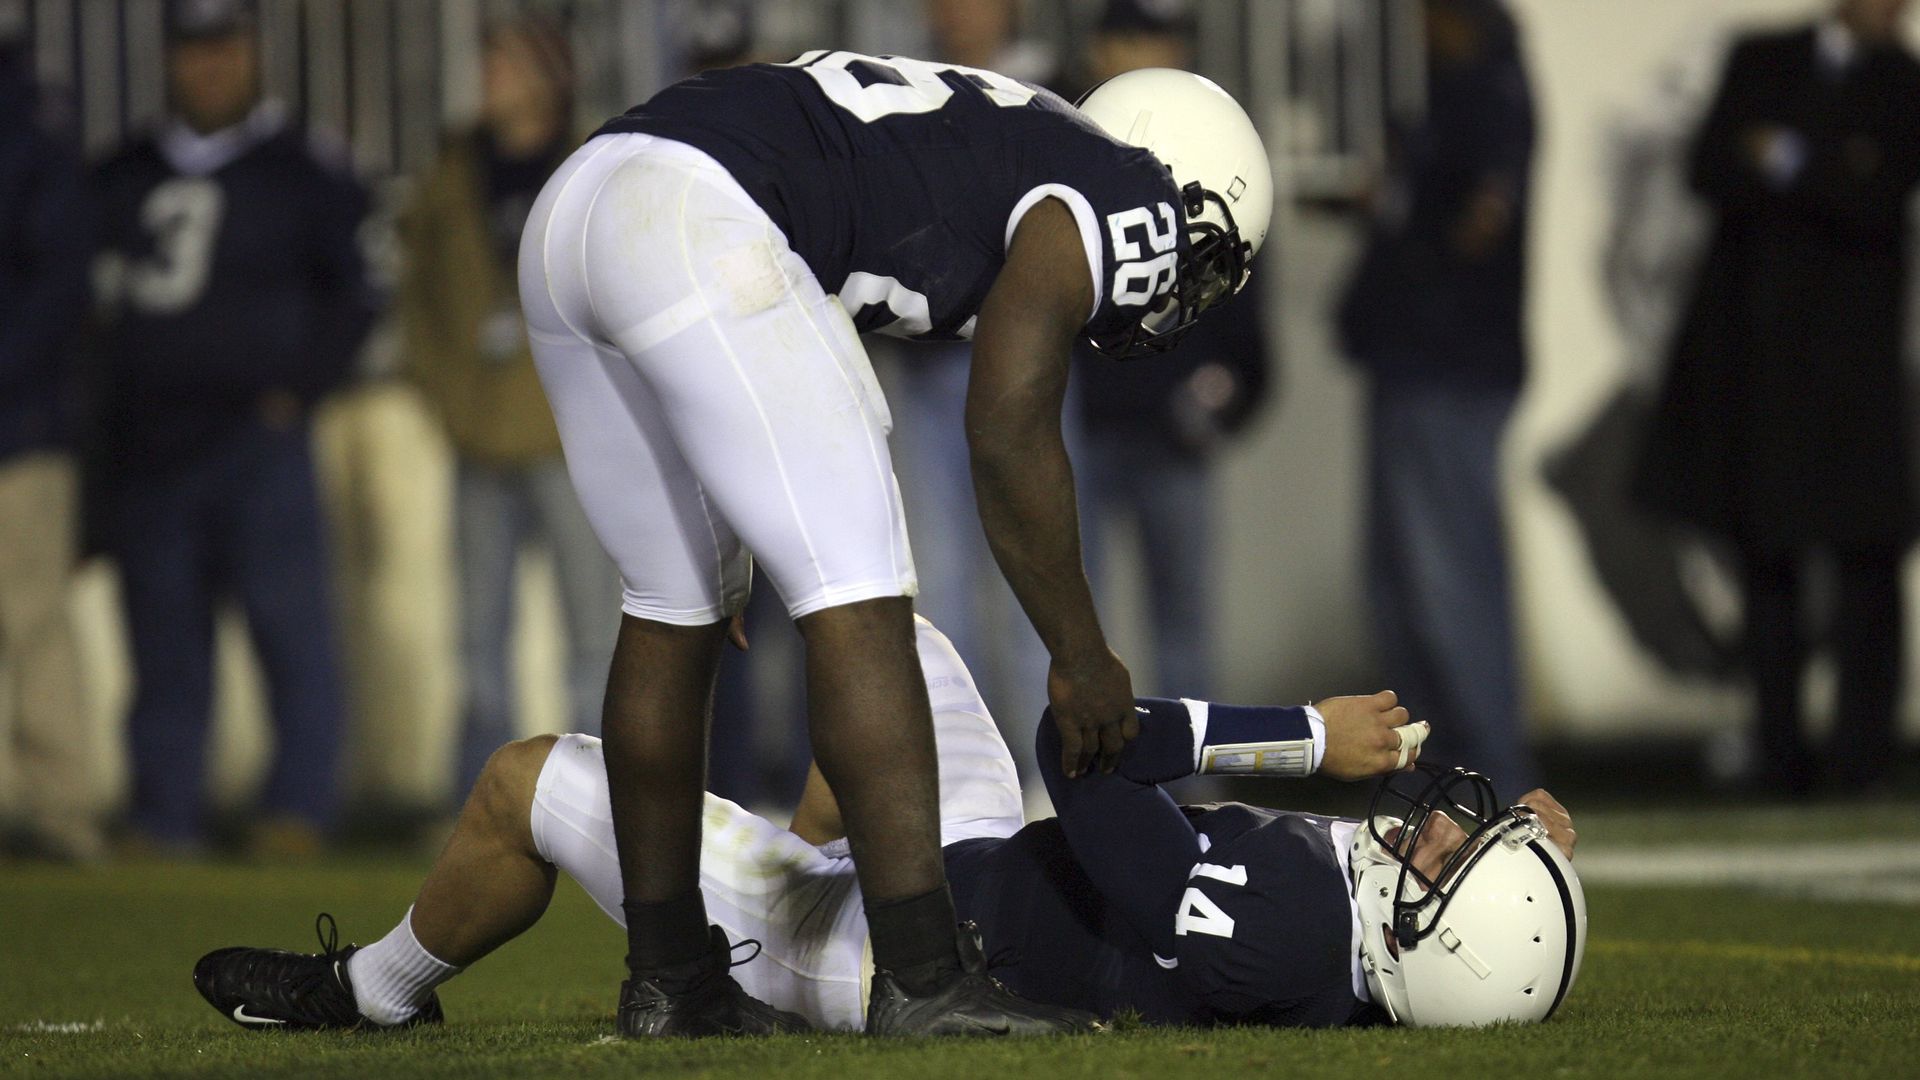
(899, 182)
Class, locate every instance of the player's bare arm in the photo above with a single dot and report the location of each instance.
(1023, 481)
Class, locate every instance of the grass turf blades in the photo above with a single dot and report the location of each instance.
(1678, 982)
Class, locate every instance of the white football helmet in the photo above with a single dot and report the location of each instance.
(1225, 179)
(1497, 936)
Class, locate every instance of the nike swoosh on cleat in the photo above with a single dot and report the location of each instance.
(998, 1028)
(240, 1014)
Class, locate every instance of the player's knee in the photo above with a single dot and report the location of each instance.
(862, 619)
(504, 790)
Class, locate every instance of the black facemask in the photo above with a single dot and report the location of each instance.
(1213, 268)
(1414, 798)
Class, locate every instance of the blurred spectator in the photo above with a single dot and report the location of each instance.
(466, 345)
(1152, 428)
(236, 298)
(1133, 34)
(1784, 422)
(961, 588)
(44, 760)
(1434, 315)
(986, 34)
(714, 33)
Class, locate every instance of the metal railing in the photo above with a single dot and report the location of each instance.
(1323, 78)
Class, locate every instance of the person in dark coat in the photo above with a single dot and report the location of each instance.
(1434, 315)
(1783, 423)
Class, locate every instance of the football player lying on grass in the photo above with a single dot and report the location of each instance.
(1126, 902)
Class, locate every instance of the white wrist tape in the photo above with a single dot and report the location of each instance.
(1197, 719)
(1294, 757)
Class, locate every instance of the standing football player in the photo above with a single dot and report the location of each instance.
(694, 280)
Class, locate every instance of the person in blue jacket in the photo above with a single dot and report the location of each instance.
(1434, 314)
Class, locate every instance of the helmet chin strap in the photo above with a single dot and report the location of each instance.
(1451, 942)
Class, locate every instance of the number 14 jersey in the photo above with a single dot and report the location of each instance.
(900, 182)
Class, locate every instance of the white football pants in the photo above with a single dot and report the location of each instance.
(712, 399)
(802, 903)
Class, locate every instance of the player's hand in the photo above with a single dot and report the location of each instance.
(1369, 736)
(1559, 823)
(1093, 705)
(737, 631)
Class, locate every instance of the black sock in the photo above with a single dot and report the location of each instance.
(917, 935)
(665, 933)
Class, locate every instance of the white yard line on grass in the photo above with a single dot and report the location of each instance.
(1883, 871)
(1766, 954)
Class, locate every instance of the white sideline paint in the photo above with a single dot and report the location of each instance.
(69, 1027)
(1880, 871)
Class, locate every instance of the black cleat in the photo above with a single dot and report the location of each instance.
(699, 998)
(277, 990)
(968, 1002)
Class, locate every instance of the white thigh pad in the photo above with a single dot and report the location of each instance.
(651, 253)
(759, 881)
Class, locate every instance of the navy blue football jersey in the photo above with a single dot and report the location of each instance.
(223, 283)
(1263, 933)
(900, 182)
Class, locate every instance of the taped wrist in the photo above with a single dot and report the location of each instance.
(1250, 740)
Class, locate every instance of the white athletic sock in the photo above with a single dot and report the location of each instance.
(393, 976)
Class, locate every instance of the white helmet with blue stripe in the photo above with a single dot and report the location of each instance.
(1496, 936)
(1219, 164)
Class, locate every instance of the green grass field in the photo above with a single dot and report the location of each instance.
(1755, 973)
